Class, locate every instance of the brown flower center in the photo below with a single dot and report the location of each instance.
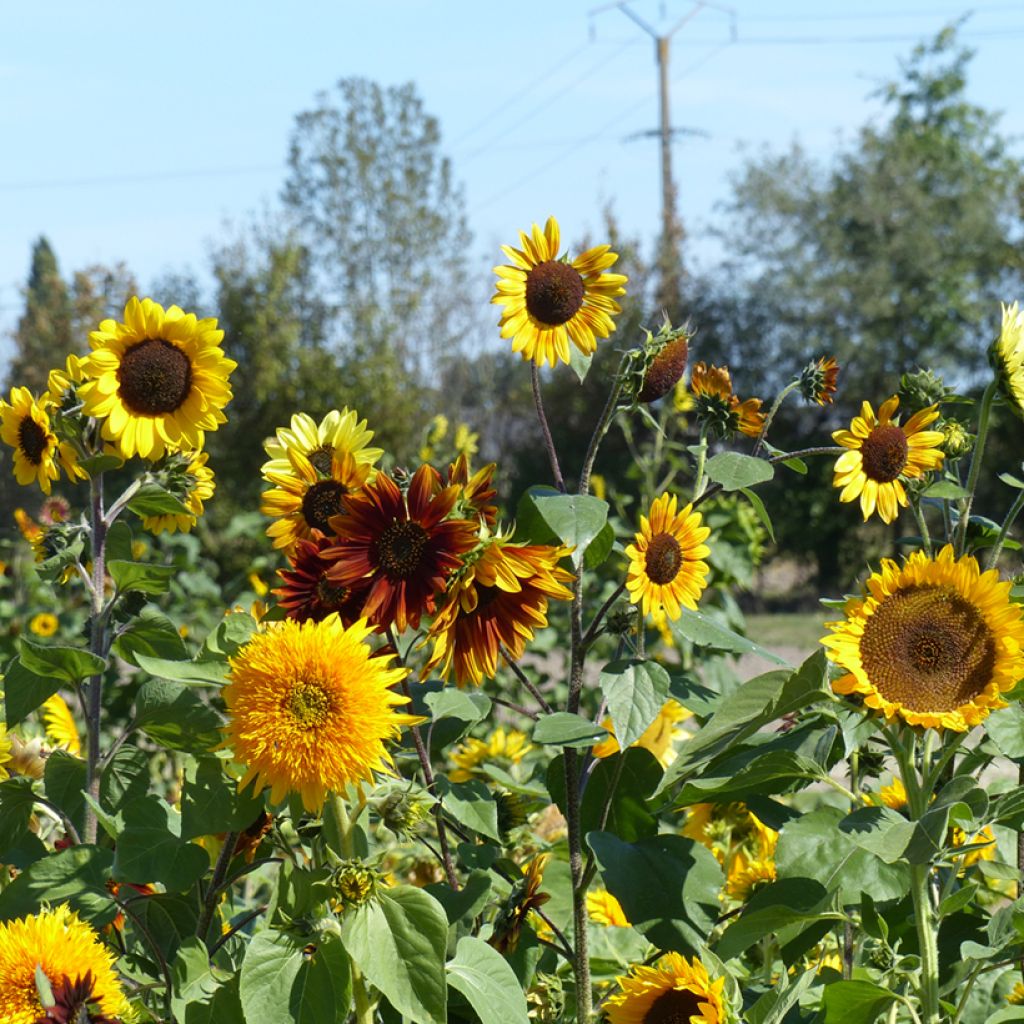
(664, 557)
(665, 371)
(928, 649)
(674, 1007)
(554, 292)
(322, 501)
(330, 595)
(308, 704)
(155, 377)
(32, 440)
(400, 548)
(322, 459)
(884, 453)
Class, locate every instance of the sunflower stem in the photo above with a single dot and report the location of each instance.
(975, 471)
(213, 890)
(97, 645)
(1011, 517)
(549, 441)
(607, 415)
(922, 525)
(776, 405)
(702, 454)
(928, 948)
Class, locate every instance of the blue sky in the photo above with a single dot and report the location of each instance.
(135, 131)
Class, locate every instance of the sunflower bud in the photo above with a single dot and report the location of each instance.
(546, 999)
(400, 810)
(665, 359)
(920, 389)
(957, 441)
(354, 884)
(818, 380)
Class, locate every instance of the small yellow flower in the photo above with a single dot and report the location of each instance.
(465, 442)
(657, 738)
(510, 746)
(44, 624)
(5, 751)
(25, 426)
(1016, 995)
(747, 875)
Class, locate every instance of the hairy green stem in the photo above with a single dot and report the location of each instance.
(702, 454)
(926, 940)
(1011, 516)
(975, 471)
(549, 441)
(922, 526)
(776, 405)
(98, 646)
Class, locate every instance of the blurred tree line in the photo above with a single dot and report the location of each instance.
(358, 291)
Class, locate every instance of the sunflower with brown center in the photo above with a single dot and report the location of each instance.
(666, 570)
(25, 426)
(401, 546)
(340, 431)
(671, 991)
(882, 454)
(718, 408)
(307, 594)
(159, 380)
(550, 301)
(934, 641)
(500, 600)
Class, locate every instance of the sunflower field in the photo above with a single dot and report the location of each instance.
(434, 760)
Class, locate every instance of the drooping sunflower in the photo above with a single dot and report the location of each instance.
(159, 380)
(311, 709)
(934, 641)
(882, 454)
(718, 408)
(1007, 357)
(603, 908)
(25, 426)
(524, 899)
(201, 485)
(340, 431)
(726, 829)
(307, 594)
(671, 990)
(44, 624)
(476, 490)
(658, 737)
(549, 301)
(818, 380)
(305, 499)
(403, 547)
(60, 725)
(500, 600)
(747, 874)
(666, 570)
(501, 747)
(79, 968)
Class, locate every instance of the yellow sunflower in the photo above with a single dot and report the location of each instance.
(59, 381)
(672, 989)
(5, 751)
(1007, 357)
(509, 746)
(818, 380)
(25, 426)
(310, 708)
(882, 454)
(78, 966)
(665, 567)
(894, 795)
(1016, 995)
(657, 738)
(934, 641)
(201, 486)
(60, 725)
(44, 624)
(604, 909)
(549, 301)
(747, 874)
(718, 408)
(727, 828)
(340, 431)
(159, 380)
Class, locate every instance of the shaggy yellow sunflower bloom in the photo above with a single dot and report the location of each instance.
(60, 724)
(25, 426)
(78, 966)
(934, 641)
(882, 453)
(747, 874)
(158, 380)
(201, 485)
(44, 624)
(606, 910)
(549, 301)
(665, 567)
(657, 738)
(340, 431)
(310, 708)
(511, 746)
(1007, 357)
(671, 990)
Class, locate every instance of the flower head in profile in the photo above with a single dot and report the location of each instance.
(5, 751)
(32, 532)
(718, 408)
(882, 454)
(476, 490)
(934, 641)
(61, 380)
(307, 593)
(604, 909)
(199, 485)
(671, 990)
(76, 963)
(549, 301)
(60, 725)
(311, 709)
(502, 747)
(159, 379)
(1007, 357)
(658, 737)
(667, 353)
(666, 567)
(525, 898)
(818, 380)
(38, 453)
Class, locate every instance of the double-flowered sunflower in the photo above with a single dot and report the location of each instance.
(882, 453)
(159, 380)
(311, 709)
(25, 426)
(671, 991)
(934, 641)
(549, 301)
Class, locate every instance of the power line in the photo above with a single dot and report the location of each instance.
(1013, 32)
(882, 15)
(131, 179)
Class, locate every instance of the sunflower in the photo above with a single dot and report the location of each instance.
(159, 379)
(935, 641)
(882, 454)
(718, 409)
(1016, 995)
(727, 828)
(310, 709)
(5, 751)
(665, 567)
(747, 874)
(511, 747)
(894, 796)
(402, 546)
(657, 738)
(500, 600)
(79, 968)
(25, 426)
(525, 898)
(549, 301)
(670, 990)
(1007, 357)
(305, 499)
(818, 380)
(475, 490)
(984, 843)
(308, 594)
(54, 510)
(60, 725)
(60, 381)
(606, 910)
(44, 624)
(200, 483)
(32, 532)
(666, 367)
(340, 431)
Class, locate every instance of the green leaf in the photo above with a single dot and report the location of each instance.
(1012, 481)
(735, 471)
(564, 729)
(879, 830)
(64, 782)
(636, 691)
(232, 632)
(750, 774)
(1005, 728)
(174, 716)
(25, 691)
(579, 363)
(945, 489)
(192, 673)
(399, 943)
(484, 977)
(68, 664)
(212, 803)
(855, 1002)
(458, 704)
(700, 629)
(548, 516)
(150, 849)
(773, 1006)
(464, 903)
(600, 547)
(153, 500)
(142, 577)
(194, 982)
(125, 778)
(471, 804)
(77, 876)
(762, 513)
(16, 803)
(795, 464)
(151, 634)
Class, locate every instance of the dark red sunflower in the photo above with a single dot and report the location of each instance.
(403, 547)
(308, 595)
(476, 490)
